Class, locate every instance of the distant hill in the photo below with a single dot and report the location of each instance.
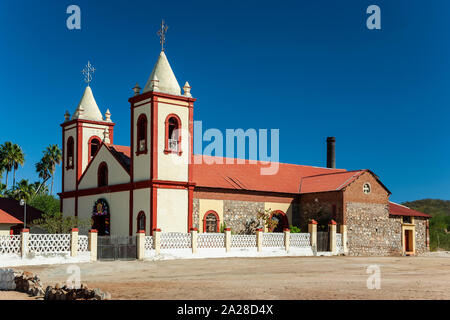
(439, 223)
(430, 206)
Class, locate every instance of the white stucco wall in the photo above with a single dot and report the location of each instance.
(90, 130)
(119, 209)
(142, 162)
(172, 210)
(4, 229)
(116, 173)
(171, 166)
(68, 207)
(70, 175)
(141, 202)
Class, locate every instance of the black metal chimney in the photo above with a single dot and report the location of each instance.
(331, 152)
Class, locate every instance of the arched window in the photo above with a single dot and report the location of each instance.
(94, 144)
(141, 131)
(281, 219)
(69, 155)
(173, 134)
(211, 222)
(141, 221)
(102, 174)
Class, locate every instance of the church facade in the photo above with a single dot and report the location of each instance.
(158, 183)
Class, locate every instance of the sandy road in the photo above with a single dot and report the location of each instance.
(263, 278)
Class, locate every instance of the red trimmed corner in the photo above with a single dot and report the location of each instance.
(259, 229)
(157, 229)
(313, 221)
(227, 229)
(141, 231)
(332, 222)
(93, 231)
(74, 230)
(194, 229)
(287, 229)
(25, 230)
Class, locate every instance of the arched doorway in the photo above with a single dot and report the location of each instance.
(282, 221)
(101, 218)
(211, 222)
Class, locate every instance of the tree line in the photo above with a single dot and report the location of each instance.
(12, 158)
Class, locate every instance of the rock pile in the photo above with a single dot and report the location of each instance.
(7, 277)
(29, 283)
(83, 293)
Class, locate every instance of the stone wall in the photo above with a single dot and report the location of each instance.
(196, 213)
(236, 213)
(421, 235)
(371, 231)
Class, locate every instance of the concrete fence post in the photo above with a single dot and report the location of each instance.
(287, 239)
(312, 229)
(194, 233)
(344, 238)
(140, 244)
(74, 242)
(227, 239)
(24, 235)
(93, 244)
(332, 232)
(157, 240)
(259, 239)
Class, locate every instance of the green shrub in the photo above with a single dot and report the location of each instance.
(294, 229)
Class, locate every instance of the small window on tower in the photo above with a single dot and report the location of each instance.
(173, 135)
(70, 147)
(93, 147)
(141, 135)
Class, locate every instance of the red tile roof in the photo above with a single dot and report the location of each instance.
(7, 218)
(400, 210)
(329, 181)
(126, 150)
(248, 176)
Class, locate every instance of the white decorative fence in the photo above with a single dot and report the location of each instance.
(302, 240)
(148, 243)
(49, 243)
(273, 240)
(83, 243)
(10, 244)
(243, 240)
(175, 240)
(211, 240)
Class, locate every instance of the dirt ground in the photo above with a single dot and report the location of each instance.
(261, 278)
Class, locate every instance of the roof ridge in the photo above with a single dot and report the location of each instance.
(330, 173)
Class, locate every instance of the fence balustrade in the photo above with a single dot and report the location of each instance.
(175, 240)
(302, 240)
(243, 240)
(83, 243)
(10, 244)
(211, 240)
(273, 239)
(49, 243)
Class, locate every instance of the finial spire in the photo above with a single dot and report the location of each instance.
(162, 34)
(88, 71)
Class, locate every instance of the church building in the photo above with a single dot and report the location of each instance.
(156, 182)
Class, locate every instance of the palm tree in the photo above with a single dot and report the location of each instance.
(43, 170)
(2, 189)
(18, 158)
(53, 154)
(6, 156)
(23, 190)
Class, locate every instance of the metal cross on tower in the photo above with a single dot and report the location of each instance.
(162, 34)
(88, 71)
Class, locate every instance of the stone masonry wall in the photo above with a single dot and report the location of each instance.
(236, 213)
(196, 213)
(421, 235)
(371, 232)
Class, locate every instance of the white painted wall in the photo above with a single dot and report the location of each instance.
(70, 179)
(172, 210)
(141, 202)
(171, 166)
(116, 173)
(119, 209)
(142, 162)
(68, 207)
(90, 130)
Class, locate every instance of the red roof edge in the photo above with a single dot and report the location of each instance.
(396, 209)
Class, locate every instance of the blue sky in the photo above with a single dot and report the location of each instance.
(310, 68)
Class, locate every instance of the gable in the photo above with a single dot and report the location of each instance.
(353, 192)
(117, 174)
